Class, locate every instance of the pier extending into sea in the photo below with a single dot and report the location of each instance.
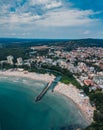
(49, 85)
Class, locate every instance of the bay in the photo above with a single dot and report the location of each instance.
(18, 110)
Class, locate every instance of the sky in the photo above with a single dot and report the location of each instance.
(51, 19)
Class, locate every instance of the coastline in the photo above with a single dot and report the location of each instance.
(83, 103)
(30, 75)
(68, 91)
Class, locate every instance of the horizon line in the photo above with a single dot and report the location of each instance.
(49, 38)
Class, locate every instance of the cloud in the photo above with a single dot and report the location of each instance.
(25, 18)
(53, 5)
(44, 15)
(13, 34)
(65, 17)
(39, 2)
(87, 32)
(28, 11)
(48, 4)
(56, 17)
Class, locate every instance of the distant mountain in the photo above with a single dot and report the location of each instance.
(73, 44)
(67, 44)
(16, 42)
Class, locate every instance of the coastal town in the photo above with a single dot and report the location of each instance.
(51, 65)
(84, 63)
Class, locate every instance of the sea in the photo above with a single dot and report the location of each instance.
(19, 111)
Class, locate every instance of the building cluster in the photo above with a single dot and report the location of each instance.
(19, 61)
(86, 63)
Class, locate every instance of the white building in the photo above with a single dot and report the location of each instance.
(98, 80)
(10, 60)
(20, 61)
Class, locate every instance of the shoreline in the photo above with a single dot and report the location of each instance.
(78, 107)
(69, 91)
(83, 103)
(30, 75)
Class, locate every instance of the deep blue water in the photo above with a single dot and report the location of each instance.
(18, 111)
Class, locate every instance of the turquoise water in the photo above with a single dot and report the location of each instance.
(18, 110)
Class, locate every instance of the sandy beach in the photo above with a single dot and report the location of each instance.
(73, 93)
(69, 91)
(31, 75)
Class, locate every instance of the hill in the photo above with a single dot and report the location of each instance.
(67, 44)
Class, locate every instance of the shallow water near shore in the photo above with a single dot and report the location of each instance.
(18, 110)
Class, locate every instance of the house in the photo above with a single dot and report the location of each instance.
(88, 82)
